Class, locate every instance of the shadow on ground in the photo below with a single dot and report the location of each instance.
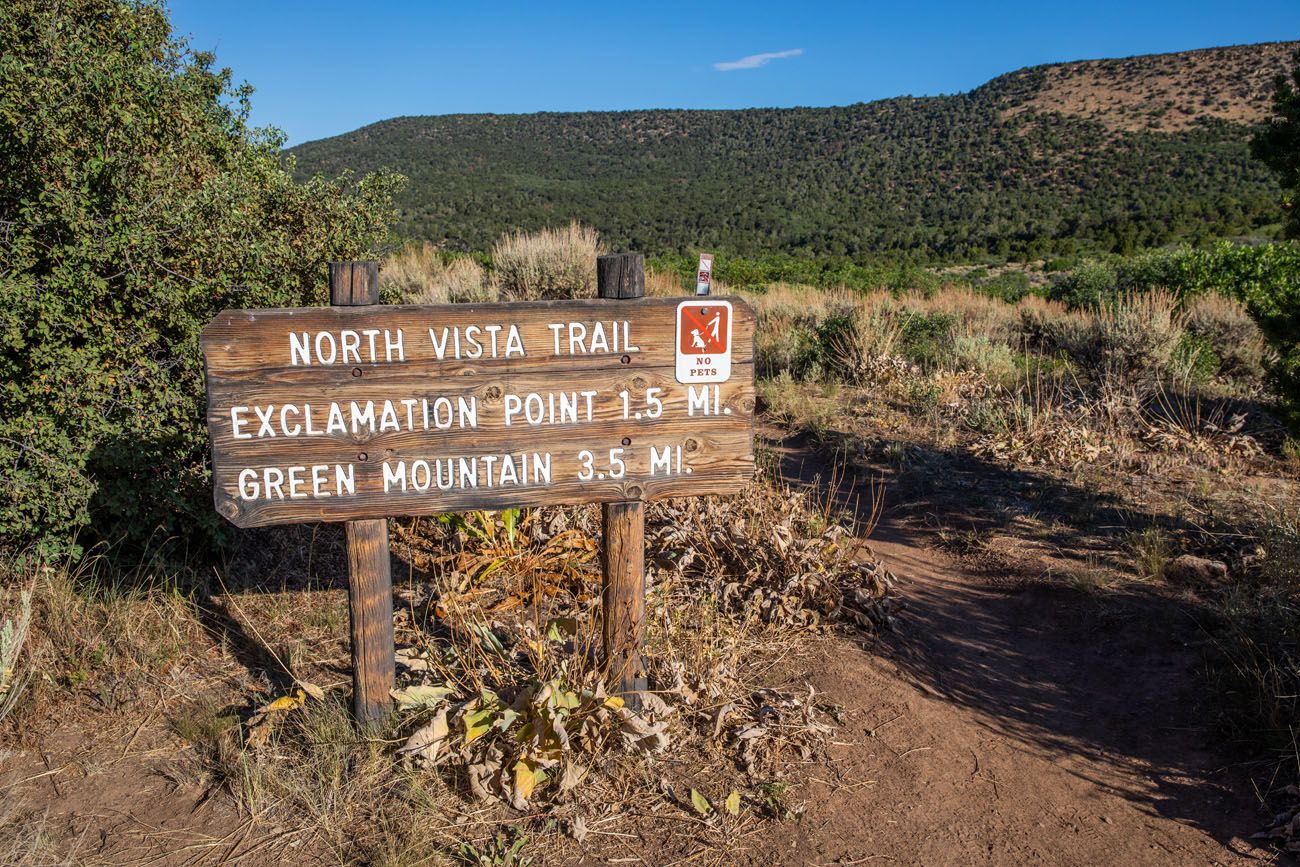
(1111, 686)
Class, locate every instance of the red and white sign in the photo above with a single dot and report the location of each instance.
(704, 274)
(703, 341)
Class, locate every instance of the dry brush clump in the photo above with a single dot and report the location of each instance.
(1122, 384)
(547, 264)
(421, 274)
(1231, 334)
(526, 266)
(86, 625)
(502, 704)
(13, 637)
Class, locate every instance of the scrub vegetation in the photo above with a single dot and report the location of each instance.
(1048, 356)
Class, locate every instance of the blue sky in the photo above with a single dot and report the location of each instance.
(325, 68)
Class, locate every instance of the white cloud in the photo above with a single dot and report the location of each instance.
(754, 61)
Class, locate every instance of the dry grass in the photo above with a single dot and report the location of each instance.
(27, 841)
(665, 284)
(96, 630)
(13, 636)
(977, 315)
(550, 263)
(497, 624)
(1227, 326)
(1141, 413)
(784, 300)
(1131, 338)
(420, 274)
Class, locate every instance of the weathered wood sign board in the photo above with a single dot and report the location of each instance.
(340, 413)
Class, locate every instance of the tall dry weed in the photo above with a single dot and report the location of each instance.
(862, 345)
(664, 284)
(807, 303)
(977, 315)
(786, 340)
(422, 275)
(547, 264)
(1227, 326)
(1129, 339)
(1050, 327)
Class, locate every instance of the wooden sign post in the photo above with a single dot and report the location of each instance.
(622, 277)
(359, 411)
(370, 577)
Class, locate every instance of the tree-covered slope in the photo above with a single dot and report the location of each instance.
(1105, 155)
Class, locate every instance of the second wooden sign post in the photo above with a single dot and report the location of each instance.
(621, 277)
(361, 411)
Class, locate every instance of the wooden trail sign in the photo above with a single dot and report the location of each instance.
(357, 413)
(328, 414)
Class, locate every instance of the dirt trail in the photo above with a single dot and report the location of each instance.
(1021, 723)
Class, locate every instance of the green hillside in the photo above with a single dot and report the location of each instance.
(1097, 155)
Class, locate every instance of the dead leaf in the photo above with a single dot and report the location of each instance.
(412, 659)
(527, 776)
(286, 702)
(573, 774)
(638, 733)
(421, 695)
(427, 741)
(720, 717)
(312, 690)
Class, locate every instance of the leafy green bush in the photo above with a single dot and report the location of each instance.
(135, 203)
(926, 338)
(1086, 286)
(1232, 270)
(1277, 142)
(1009, 286)
(1276, 304)
(1276, 308)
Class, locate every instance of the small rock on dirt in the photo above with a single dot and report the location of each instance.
(1192, 571)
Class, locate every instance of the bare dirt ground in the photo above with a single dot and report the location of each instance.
(1030, 726)
(1009, 719)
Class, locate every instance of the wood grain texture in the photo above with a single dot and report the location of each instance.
(370, 581)
(354, 284)
(370, 606)
(623, 594)
(258, 340)
(622, 277)
(248, 365)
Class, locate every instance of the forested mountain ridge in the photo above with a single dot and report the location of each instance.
(1047, 160)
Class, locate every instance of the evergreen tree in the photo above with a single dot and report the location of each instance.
(1277, 143)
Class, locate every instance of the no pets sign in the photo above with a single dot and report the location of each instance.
(703, 341)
